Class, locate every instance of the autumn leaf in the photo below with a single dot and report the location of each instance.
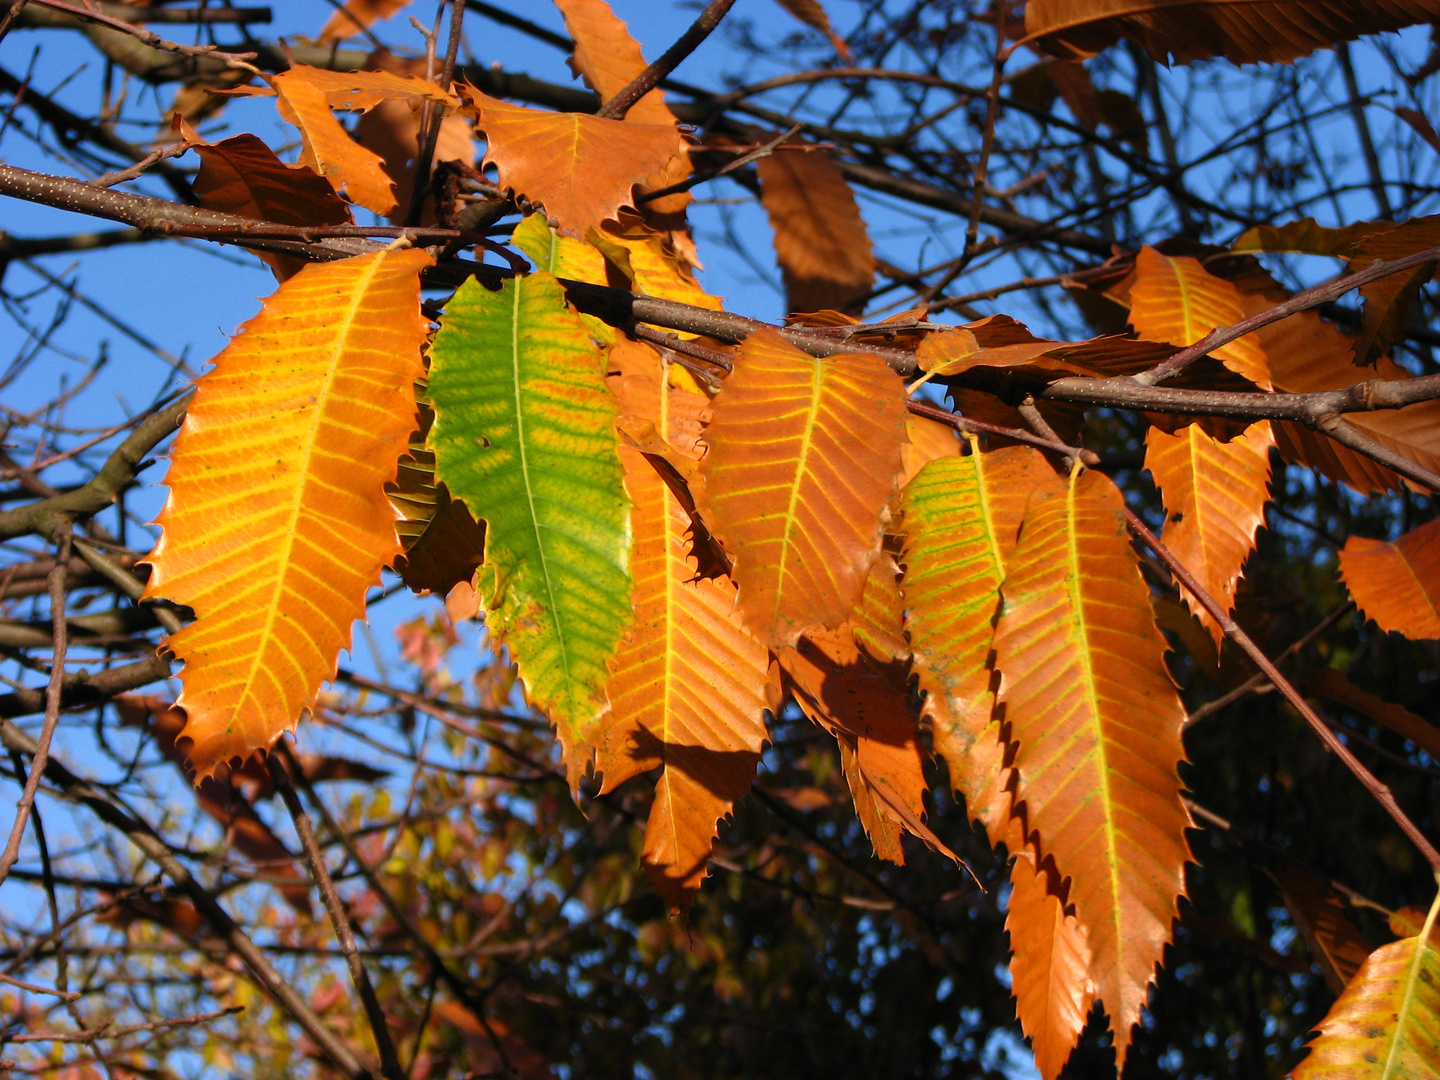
(961, 519)
(524, 437)
(1214, 494)
(1049, 968)
(1332, 684)
(241, 175)
(1176, 300)
(328, 148)
(1337, 946)
(581, 168)
(1388, 300)
(687, 691)
(1244, 32)
(1386, 1025)
(1397, 584)
(811, 13)
(803, 458)
(565, 257)
(1096, 720)
(820, 239)
(277, 521)
(870, 717)
(356, 17)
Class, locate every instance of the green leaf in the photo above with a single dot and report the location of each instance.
(524, 435)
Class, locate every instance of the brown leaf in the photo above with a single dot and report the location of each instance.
(1257, 31)
(442, 545)
(820, 239)
(1389, 299)
(687, 690)
(241, 175)
(1049, 968)
(812, 14)
(803, 458)
(1215, 495)
(583, 169)
(1397, 585)
(1335, 943)
(1096, 720)
(1332, 684)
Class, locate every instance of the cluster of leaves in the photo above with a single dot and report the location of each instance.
(678, 538)
(665, 562)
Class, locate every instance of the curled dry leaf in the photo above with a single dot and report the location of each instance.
(1397, 584)
(277, 521)
(804, 453)
(1255, 31)
(442, 545)
(582, 169)
(1096, 720)
(241, 175)
(1214, 494)
(687, 690)
(820, 239)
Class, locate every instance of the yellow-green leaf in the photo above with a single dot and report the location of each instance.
(1386, 1025)
(277, 521)
(524, 436)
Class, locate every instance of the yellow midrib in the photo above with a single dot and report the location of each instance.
(289, 534)
(807, 441)
(1072, 577)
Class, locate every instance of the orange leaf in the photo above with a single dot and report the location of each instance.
(961, 519)
(803, 458)
(583, 169)
(870, 716)
(393, 80)
(1097, 722)
(1332, 684)
(327, 147)
(1175, 300)
(356, 17)
(1319, 915)
(1397, 585)
(820, 239)
(241, 175)
(610, 60)
(1049, 971)
(688, 685)
(277, 521)
(1215, 495)
(879, 621)
(1245, 32)
(927, 440)
(1389, 299)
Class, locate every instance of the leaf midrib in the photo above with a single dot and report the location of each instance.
(807, 442)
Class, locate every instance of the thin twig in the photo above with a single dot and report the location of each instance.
(107, 1032)
(148, 37)
(687, 43)
(1381, 793)
(389, 1060)
(52, 702)
(66, 995)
